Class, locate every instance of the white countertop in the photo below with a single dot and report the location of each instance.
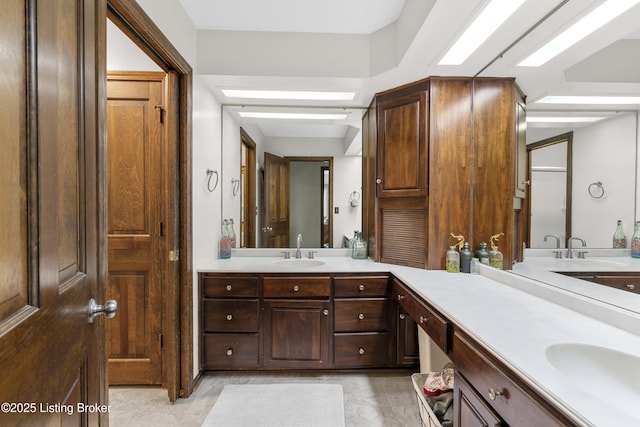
(498, 310)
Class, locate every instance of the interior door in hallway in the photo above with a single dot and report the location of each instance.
(276, 201)
(136, 225)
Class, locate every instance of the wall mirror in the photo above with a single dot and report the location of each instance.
(306, 171)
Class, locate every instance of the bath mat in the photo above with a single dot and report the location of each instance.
(278, 405)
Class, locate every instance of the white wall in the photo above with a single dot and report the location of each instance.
(604, 152)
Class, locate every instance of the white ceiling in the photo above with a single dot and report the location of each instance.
(373, 45)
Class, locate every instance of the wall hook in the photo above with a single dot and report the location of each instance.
(235, 183)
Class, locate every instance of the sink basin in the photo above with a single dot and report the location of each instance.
(608, 374)
(589, 263)
(298, 263)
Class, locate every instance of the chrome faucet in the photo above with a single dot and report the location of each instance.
(570, 247)
(298, 243)
(557, 252)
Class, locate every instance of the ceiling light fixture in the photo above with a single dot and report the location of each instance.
(541, 119)
(289, 94)
(585, 100)
(294, 116)
(585, 26)
(487, 22)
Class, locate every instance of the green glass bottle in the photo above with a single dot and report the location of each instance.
(483, 254)
(465, 258)
(452, 260)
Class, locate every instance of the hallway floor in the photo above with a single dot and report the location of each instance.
(371, 398)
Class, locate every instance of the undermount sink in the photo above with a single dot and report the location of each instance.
(298, 263)
(611, 375)
(592, 263)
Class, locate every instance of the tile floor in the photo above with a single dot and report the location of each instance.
(371, 399)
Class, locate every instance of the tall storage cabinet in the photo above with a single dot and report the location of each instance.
(445, 161)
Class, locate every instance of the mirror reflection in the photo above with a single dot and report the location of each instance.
(602, 152)
(306, 173)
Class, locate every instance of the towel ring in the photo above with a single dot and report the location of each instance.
(211, 173)
(596, 190)
(236, 186)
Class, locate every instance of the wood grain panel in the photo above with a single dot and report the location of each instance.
(128, 167)
(129, 333)
(360, 315)
(402, 140)
(369, 200)
(13, 162)
(403, 236)
(451, 156)
(494, 167)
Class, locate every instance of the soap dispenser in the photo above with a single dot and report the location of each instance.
(482, 254)
(465, 258)
(495, 256)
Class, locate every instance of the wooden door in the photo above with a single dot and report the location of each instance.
(137, 228)
(276, 201)
(402, 143)
(51, 227)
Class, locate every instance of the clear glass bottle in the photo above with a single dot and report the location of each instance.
(619, 239)
(482, 254)
(225, 241)
(495, 258)
(635, 241)
(465, 258)
(232, 233)
(452, 260)
(359, 249)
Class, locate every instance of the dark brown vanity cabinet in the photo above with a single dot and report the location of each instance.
(303, 321)
(296, 326)
(488, 393)
(362, 321)
(629, 282)
(230, 317)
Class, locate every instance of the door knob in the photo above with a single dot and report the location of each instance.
(109, 309)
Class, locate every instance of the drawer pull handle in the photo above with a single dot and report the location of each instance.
(631, 286)
(400, 297)
(361, 350)
(361, 288)
(493, 394)
(296, 288)
(423, 319)
(229, 287)
(361, 316)
(402, 316)
(325, 312)
(230, 352)
(229, 316)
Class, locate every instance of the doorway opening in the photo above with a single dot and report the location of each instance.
(248, 189)
(176, 337)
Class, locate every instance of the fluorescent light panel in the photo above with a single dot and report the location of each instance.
(289, 94)
(563, 119)
(590, 23)
(487, 22)
(584, 100)
(294, 116)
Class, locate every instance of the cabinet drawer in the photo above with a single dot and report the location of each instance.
(363, 286)
(230, 286)
(436, 326)
(297, 287)
(230, 351)
(230, 316)
(361, 350)
(361, 315)
(502, 394)
(626, 283)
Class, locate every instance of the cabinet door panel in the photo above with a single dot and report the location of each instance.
(361, 315)
(362, 350)
(469, 409)
(230, 316)
(296, 334)
(230, 351)
(402, 154)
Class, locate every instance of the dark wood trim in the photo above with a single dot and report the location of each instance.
(250, 208)
(131, 19)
